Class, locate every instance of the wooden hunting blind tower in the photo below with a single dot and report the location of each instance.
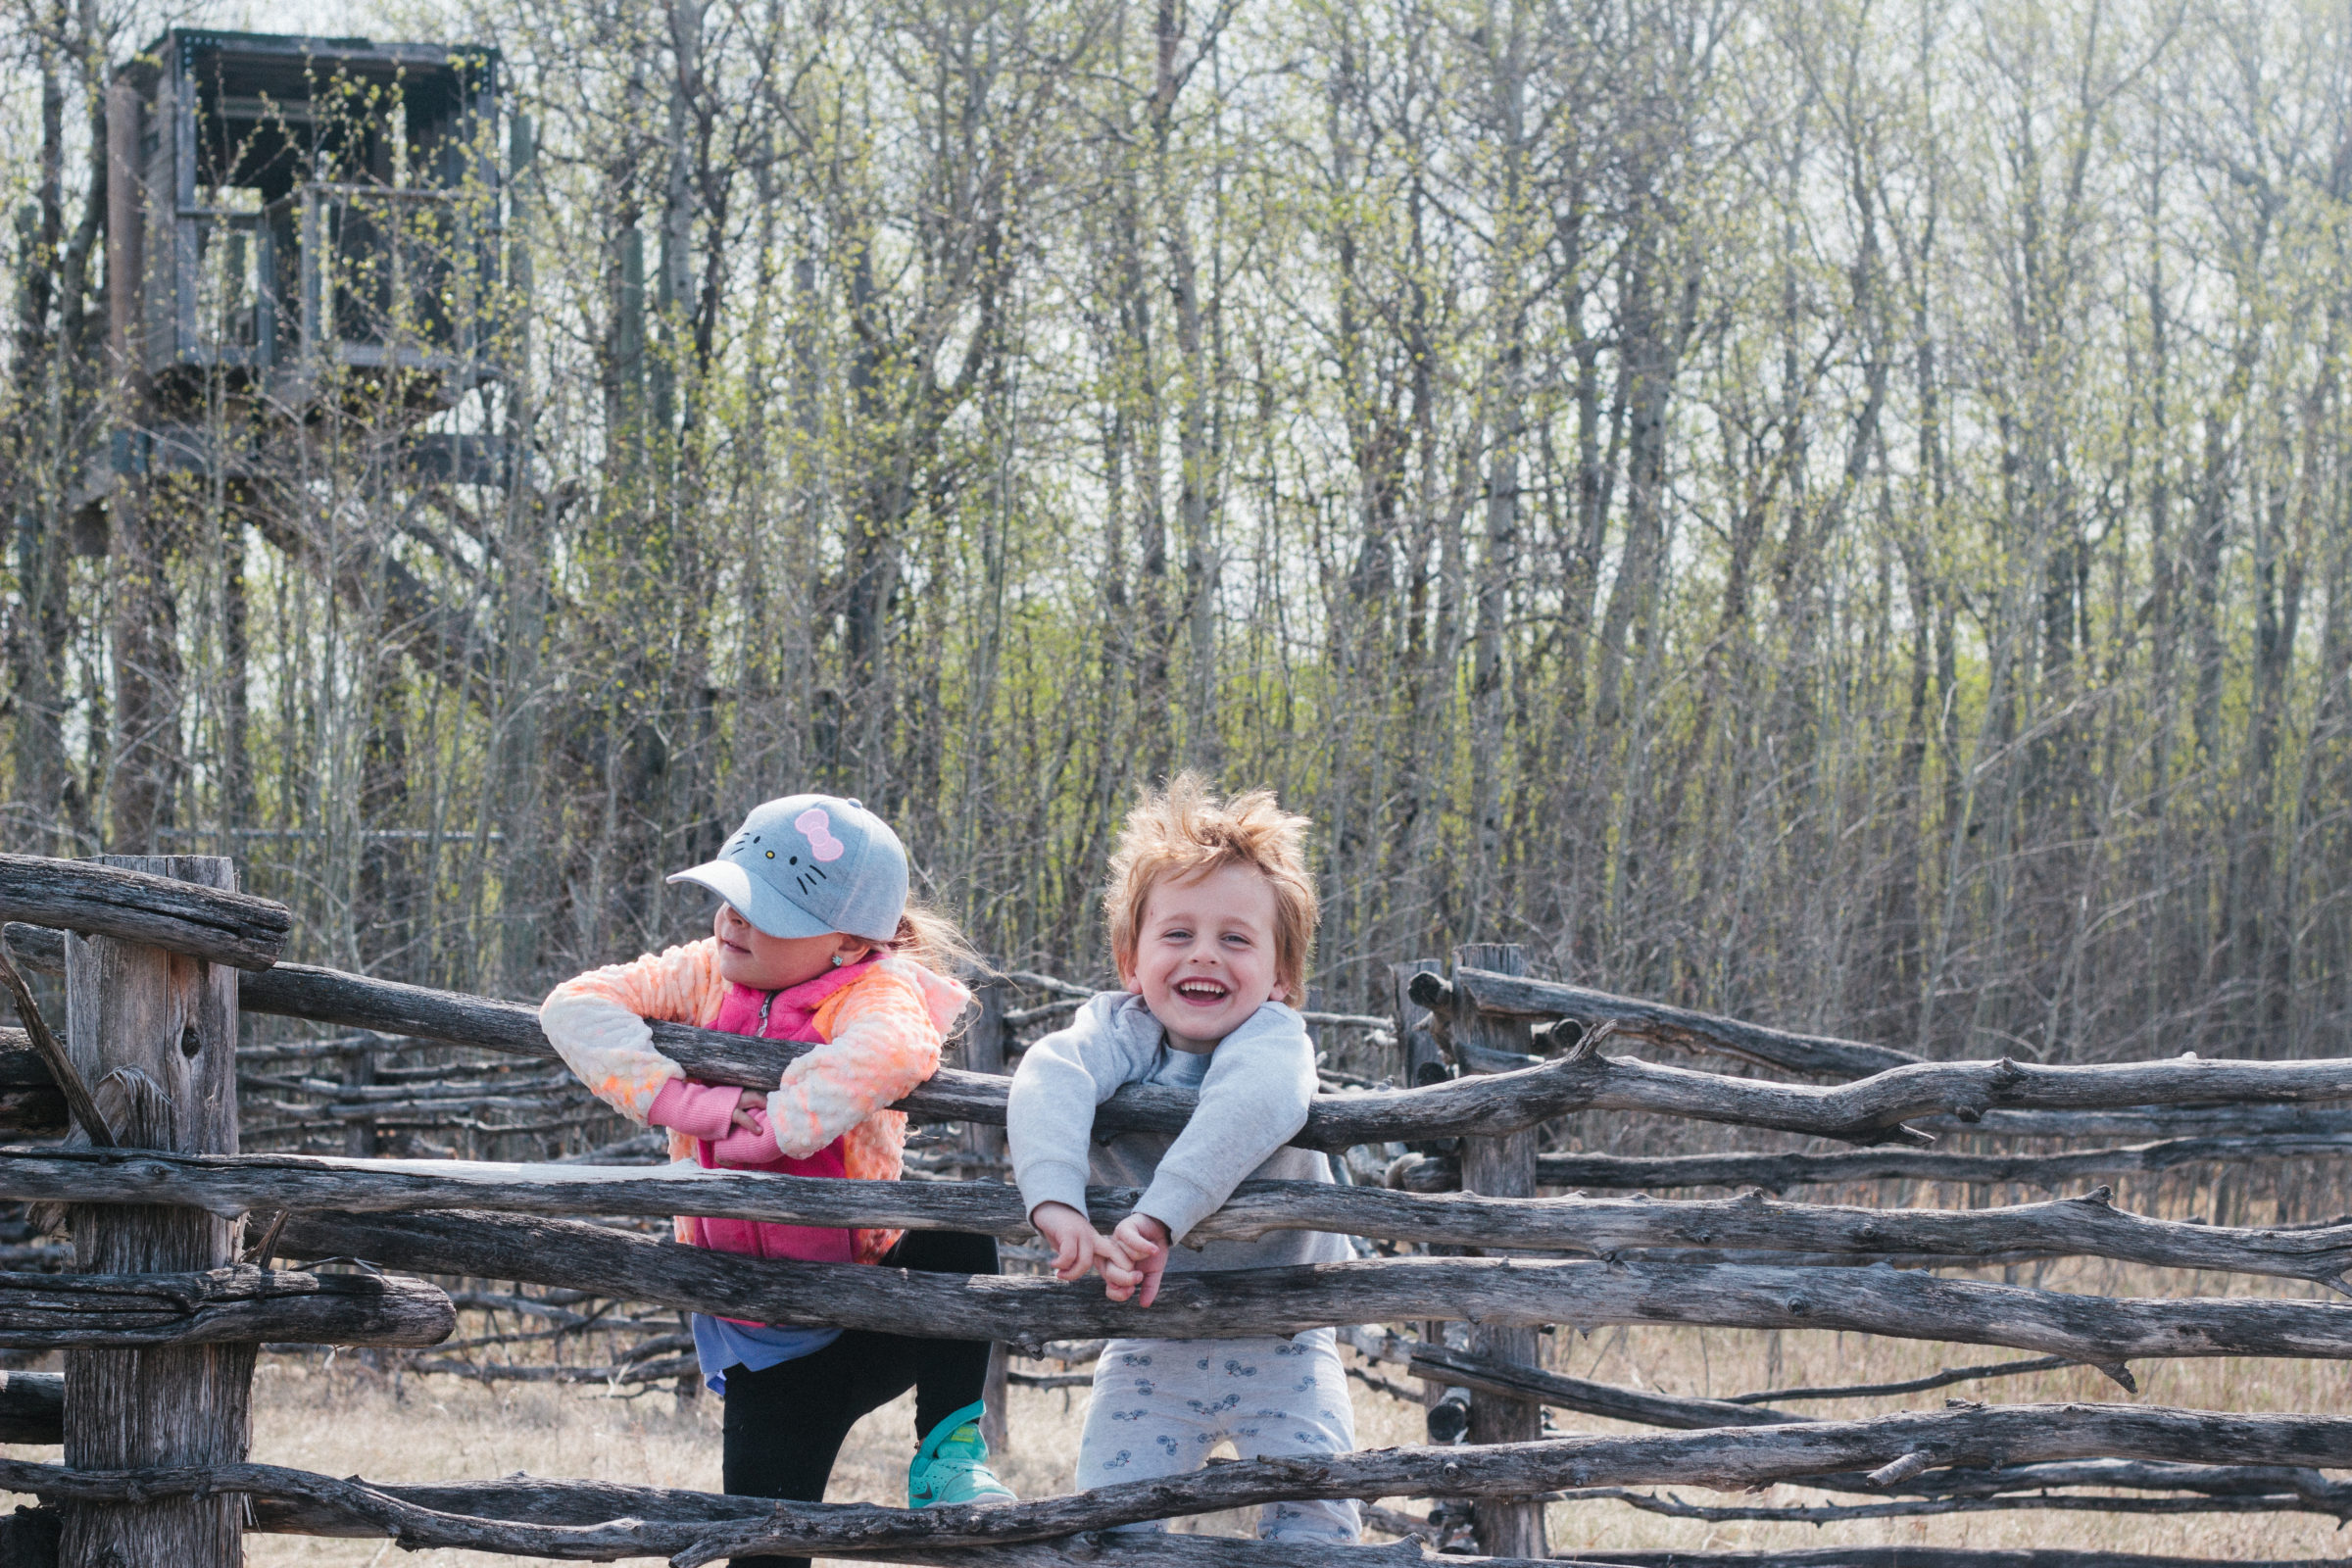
(308, 204)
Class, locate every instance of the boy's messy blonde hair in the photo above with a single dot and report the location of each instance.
(1186, 831)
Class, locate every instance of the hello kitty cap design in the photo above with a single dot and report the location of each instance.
(806, 864)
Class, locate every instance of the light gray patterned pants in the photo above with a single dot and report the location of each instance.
(1160, 1406)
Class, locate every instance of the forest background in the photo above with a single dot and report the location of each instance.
(1833, 511)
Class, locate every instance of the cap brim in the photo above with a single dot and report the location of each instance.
(771, 912)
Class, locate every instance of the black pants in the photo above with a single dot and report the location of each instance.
(785, 1423)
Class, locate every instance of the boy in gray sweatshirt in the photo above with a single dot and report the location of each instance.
(1212, 914)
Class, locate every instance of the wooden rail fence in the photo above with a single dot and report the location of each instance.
(162, 1319)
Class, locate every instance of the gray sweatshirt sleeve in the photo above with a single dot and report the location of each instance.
(1255, 1099)
(1050, 1113)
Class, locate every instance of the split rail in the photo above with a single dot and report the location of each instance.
(176, 1233)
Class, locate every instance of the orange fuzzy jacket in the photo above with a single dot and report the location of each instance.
(880, 1037)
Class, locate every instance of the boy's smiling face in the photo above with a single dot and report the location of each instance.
(1204, 961)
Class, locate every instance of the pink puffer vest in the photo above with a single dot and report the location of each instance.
(789, 1015)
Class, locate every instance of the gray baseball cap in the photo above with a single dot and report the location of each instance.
(807, 865)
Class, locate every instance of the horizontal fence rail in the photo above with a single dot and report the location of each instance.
(2271, 1487)
(1502, 1102)
(1919, 1557)
(2175, 1121)
(2102, 1331)
(590, 1522)
(1512, 996)
(2091, 1225)
(1674, 1506)
(216, 1306)
(1751, 1262)
(1868, 1110)
(1774, 1172)
(237, 929)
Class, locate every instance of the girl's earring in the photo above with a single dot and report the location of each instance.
(837, 961)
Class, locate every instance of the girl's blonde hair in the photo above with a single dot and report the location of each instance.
(1184, 831)
(933, 941)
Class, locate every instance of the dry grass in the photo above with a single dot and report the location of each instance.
(346, 1419)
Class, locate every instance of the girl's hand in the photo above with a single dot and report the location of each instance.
(749, 1101)
(1139, 1255)
(1076, 1244)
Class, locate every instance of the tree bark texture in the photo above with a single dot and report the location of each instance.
(154, 1032)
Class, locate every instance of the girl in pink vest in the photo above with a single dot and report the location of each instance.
(812, 942)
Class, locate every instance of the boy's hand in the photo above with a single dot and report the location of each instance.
(1139, 1255)
(749, 1101)
(1076, 1244)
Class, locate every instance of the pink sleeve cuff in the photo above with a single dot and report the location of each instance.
(754, 1144)
(701, 1111)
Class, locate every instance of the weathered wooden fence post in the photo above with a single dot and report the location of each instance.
(359, 1134)
(1501, 1167)
(1415, 1044)
(1422, 1060)
(155, 1035)
(984, 1042)
(984, 1051)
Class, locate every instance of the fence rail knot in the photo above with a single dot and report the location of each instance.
(1900, 1470)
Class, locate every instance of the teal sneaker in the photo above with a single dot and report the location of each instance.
(951, 1465)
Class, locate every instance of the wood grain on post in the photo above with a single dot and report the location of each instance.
(156, 1032)
(1501, 1167)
